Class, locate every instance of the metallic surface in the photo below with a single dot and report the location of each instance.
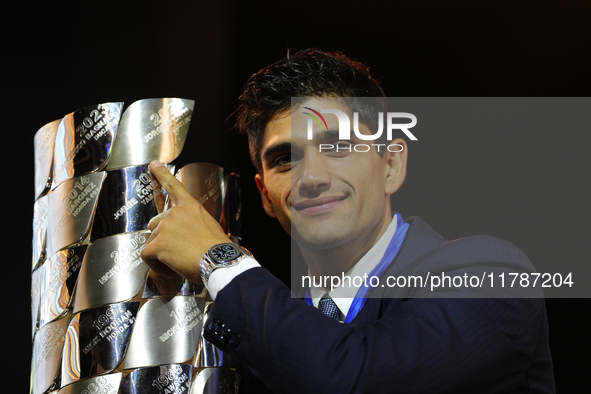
(44, 143)
(232, 221)
(80, 290)
(37, 282)
(40, 215)
(190, 288)
(83, 141)
(71, 211)
(112, 271)
(170, 287)
(96, 341)
(215, 381)
(47, 354)
(106, 384)
(207, 354)
(205, 182)
(151, 129)
(126, 203)
(167, 331)
(172, 378)
(61, 274)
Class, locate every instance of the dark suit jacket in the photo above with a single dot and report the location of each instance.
(399, 342)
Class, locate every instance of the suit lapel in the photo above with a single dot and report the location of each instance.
(420, 240)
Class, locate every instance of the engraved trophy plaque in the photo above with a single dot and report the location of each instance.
(220, 196)
(47, 353)
(151, 129)
(44, 145)
(102, 322)
(60, 276)
(40, 212)
(83, 141)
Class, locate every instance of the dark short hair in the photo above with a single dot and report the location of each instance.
(306, 73)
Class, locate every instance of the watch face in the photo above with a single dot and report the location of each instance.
(224, 253)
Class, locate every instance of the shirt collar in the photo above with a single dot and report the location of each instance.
(343, 296)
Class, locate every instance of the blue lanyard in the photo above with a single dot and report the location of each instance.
(391, 252)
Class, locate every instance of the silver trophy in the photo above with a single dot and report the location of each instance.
(71, 211)
(170, 378)
(218, 193)
(40, 212)
(60, 274)
(47, 354)
(44, 142)
(220, 196)
(97, 340)
(83, 141)
(152, 129)
(107, 384)
(102, 321)
(126, 203)
(113, 271)
(167, 331)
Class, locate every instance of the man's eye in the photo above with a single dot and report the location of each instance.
(338, 148)
(282, 160)
(343, 145)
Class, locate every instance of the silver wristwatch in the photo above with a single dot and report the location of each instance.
(220, 256)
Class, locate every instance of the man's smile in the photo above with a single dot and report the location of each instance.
(319, 205)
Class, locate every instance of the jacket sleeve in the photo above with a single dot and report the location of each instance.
(431, 345)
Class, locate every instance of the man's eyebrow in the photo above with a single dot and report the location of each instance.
(318, 136)
(273, 149)
(325, 135)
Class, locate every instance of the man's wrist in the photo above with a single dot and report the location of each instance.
(222, 257)
(223, 276)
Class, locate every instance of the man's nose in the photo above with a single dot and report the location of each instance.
(313, 174)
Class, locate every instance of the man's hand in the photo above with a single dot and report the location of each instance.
(181, 235)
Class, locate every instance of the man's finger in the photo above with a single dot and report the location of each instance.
(161, 269)
(150, 256)
(175, 189)
(160, 200)
(155, 221)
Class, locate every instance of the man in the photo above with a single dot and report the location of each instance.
(336, 205)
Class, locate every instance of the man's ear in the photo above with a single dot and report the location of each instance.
(267, 205)
(396, 158)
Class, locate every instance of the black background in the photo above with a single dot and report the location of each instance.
(530, 188)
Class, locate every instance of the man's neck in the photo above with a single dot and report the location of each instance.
(339, 260)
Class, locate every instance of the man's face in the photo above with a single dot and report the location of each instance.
(325, 199)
